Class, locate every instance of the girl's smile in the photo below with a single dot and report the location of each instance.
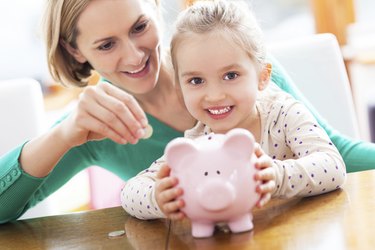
(218, 113)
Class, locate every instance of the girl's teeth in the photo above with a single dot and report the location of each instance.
(219, 111)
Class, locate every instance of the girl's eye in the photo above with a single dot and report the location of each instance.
(106, 46)
(230, 76)
(196, 81)
(141, 27)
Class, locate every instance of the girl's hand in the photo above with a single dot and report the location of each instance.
(105, 111)
(167, 194)
(266, 175)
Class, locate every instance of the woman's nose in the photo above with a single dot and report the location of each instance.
(132, 54)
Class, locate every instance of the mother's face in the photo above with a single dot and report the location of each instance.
(120, 39)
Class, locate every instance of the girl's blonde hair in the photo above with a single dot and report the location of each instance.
(60, 26)
(232, 17)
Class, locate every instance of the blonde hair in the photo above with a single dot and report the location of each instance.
(60, 26)
(232, 17)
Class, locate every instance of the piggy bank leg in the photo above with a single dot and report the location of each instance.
(202, 230)
(242, 223)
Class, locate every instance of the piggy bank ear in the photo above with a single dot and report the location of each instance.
(240, 143)
(178, 151)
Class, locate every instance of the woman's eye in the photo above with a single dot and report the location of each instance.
(230, 76)
(106, 46)
(141, 27)
(196, 81)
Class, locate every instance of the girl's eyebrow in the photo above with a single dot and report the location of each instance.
(225, 68)
(190, 73)
(231, 66)
(110, 37)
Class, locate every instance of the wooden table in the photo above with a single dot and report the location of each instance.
(343, 219)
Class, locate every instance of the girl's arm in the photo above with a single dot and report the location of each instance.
(138, 194)
(358, 155)
(312, 163)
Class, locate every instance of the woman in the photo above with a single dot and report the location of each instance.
(120, 39)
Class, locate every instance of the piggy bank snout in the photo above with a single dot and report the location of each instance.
(216, 194)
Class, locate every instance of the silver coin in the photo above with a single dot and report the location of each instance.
(115, 234)
(148, 132)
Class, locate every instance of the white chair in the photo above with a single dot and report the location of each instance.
(21, 111)
(316, 65)
(22, 118)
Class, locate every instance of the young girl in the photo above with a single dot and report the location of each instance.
(219, 60)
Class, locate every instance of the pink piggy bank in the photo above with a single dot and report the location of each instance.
(216, 173)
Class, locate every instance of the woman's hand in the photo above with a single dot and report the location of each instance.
(105, 111)
(167, 194)
(266, 175)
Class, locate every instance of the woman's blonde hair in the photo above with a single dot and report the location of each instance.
(232, 17)
(60, 26)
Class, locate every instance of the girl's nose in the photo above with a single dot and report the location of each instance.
(214, 93)
(132, 54)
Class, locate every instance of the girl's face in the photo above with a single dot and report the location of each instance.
(219, 81)
(120, 39)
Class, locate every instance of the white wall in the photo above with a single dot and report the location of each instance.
(21, 47)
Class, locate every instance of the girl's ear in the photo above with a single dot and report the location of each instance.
(73, 52)
(265, 76)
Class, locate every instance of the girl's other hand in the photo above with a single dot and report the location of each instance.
(105, 111)
(266, 175)
(167, 194)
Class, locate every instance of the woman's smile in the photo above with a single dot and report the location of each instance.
(140, 72)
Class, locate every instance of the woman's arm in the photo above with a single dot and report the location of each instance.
(358, 155)
(20, 191)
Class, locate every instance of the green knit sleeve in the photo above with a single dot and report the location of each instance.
(358, 155)
(16, 186)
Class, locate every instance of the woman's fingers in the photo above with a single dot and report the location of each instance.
(123, 112)
(98, 130)
(121, 108)
(130, 102)
(107, 111)
(106, 122)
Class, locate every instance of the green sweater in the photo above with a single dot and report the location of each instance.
(20, 191)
